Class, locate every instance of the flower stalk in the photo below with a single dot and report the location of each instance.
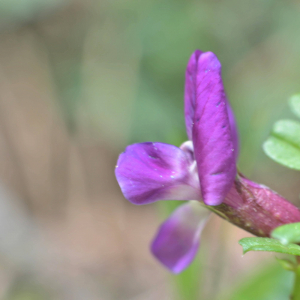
(255, 208)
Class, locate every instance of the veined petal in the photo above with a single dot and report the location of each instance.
(148, 172)
(212, 136)
(190, 92)
(190, 100)
(178, 238)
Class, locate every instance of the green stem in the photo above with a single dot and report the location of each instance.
(296, 289)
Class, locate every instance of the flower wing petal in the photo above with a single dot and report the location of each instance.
(212, 136)
(148, 172)
(178, 238)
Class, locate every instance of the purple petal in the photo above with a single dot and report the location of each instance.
(233, 129)
(190, 100)
(148, 172)
(178, 238)
(212, 136)
(190, 92)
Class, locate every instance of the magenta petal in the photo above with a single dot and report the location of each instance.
(212, 136)
(178, 238)
(148, 172)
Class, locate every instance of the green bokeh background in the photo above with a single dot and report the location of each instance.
(115, 73)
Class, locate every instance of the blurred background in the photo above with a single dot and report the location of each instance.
(81, 79)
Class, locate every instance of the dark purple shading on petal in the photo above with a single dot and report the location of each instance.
(190, 92)
(190, 101)
(148, 172)
(233, 129)
(178, 238)
(212, 136)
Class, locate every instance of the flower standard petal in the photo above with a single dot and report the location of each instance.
(148, 172)
(190, 99)
(233, 129)
(178, 238)
(190, 92)
(212, 136)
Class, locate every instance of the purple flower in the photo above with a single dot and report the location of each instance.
(202, 169)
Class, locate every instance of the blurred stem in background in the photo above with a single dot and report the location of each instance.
(296, 288)
(187, 285)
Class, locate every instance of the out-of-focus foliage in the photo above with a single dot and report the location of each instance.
(288, 233)
(295, 104)
(283, 145)
(24, 290)
(287, 264)
(14, 12)
(79, 80)
(269, 283)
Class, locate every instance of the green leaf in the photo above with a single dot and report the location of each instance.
(287, 234)
(283, 145)
(266, 244)
(295, 104)
(287, 264)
